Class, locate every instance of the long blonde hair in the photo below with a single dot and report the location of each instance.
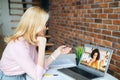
(32, 21)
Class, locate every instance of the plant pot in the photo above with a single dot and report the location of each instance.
(77, 61)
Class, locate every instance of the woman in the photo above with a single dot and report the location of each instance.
(20, 57)
(94, 62)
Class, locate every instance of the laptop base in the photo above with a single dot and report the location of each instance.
(77, 73)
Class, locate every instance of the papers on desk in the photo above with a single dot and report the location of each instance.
(59, 76)
(59, 63)
(52, 72)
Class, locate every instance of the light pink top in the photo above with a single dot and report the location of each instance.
(19, 57)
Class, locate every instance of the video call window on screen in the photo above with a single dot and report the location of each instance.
(95, 58)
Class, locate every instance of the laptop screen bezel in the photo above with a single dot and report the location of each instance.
(94, 71)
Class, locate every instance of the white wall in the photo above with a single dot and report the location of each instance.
(5, 18)
(0, 11)
(28, 5)
(0, 19)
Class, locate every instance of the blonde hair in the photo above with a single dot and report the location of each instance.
(32, 21)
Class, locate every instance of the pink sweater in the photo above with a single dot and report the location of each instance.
(19, 57)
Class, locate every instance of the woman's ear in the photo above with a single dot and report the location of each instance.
(42, 32)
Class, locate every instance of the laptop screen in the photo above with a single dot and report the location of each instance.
(95, 59)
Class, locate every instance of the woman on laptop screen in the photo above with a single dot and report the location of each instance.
(94, 61)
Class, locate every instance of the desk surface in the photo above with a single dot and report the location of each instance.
(68, 57)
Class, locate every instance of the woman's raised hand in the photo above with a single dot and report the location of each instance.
(64, 49)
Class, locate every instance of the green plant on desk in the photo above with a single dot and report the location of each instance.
(78, 52)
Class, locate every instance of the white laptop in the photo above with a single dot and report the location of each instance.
(93, 64)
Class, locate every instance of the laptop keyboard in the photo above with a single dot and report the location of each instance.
(77, 73)
(83, 72)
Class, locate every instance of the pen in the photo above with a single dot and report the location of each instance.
(47, 75)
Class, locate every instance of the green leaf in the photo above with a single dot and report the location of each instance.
(78, 51)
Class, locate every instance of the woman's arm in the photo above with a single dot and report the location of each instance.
(98, 64)
(90, 62)
(41, 51)
(21, 54)
(60, 50)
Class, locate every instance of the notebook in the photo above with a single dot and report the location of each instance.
(93, 64)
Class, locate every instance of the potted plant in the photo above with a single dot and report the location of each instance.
(78, 52)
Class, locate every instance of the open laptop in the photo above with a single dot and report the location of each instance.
(89, 68)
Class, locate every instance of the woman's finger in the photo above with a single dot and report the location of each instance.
(66, 50)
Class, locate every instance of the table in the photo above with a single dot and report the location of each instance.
(61, 76)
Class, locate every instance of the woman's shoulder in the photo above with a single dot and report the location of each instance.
(18, 42)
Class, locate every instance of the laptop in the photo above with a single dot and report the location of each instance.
(93, 63)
